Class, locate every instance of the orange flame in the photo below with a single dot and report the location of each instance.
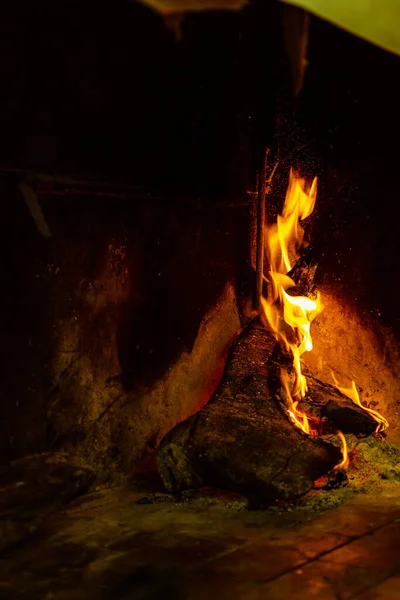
(290, 317)
(345, 457)
(300, 419)
(352, 393)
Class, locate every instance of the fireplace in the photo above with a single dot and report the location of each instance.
(178, 419)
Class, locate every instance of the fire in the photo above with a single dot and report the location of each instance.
(300, 419)
(345, 457)
(288, 316)
(352, 393)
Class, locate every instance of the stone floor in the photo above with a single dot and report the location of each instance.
(122, 544)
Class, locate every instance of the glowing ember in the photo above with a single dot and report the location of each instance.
(352, 393)
(288, 316)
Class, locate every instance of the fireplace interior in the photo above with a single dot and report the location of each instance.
(200, 346)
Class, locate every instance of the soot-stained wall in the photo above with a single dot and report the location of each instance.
(118, 325)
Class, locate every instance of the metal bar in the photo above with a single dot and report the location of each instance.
(34, 208)
(67, 185)
(260, 229)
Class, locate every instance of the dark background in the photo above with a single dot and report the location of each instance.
(348, 111)
(104, 91)
(102, 88)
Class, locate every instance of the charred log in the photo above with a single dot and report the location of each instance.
(328, 405)
(242, 440)
(303, 274)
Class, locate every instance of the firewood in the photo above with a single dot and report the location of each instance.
(327, 404)
(303, 274)
(243, 440)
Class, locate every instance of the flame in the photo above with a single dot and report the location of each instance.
(345, 460)
(288, 316)
(300, 419)
(352, 393)
(286, 237)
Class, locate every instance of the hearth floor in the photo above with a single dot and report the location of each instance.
(124, 544)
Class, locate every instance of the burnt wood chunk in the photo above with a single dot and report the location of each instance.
(242, 440)
(326, 403)
(303, 274)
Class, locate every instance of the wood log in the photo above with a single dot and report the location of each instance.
(303, 274)
(242, 440)
(328, 405)
(324, 401)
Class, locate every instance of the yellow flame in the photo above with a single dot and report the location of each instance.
(352, 393)
(300, 419)
(286, 236)
(345, 457)
(288, 316)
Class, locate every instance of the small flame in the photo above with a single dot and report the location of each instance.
(288, 316)
(345, 456)
(352, 393)
(300, 419)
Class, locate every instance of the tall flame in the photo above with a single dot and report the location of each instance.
(288, 316)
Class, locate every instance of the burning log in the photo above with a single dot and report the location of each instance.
(329, 406)
(250, 438)
(242, 440)
(303, 274)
